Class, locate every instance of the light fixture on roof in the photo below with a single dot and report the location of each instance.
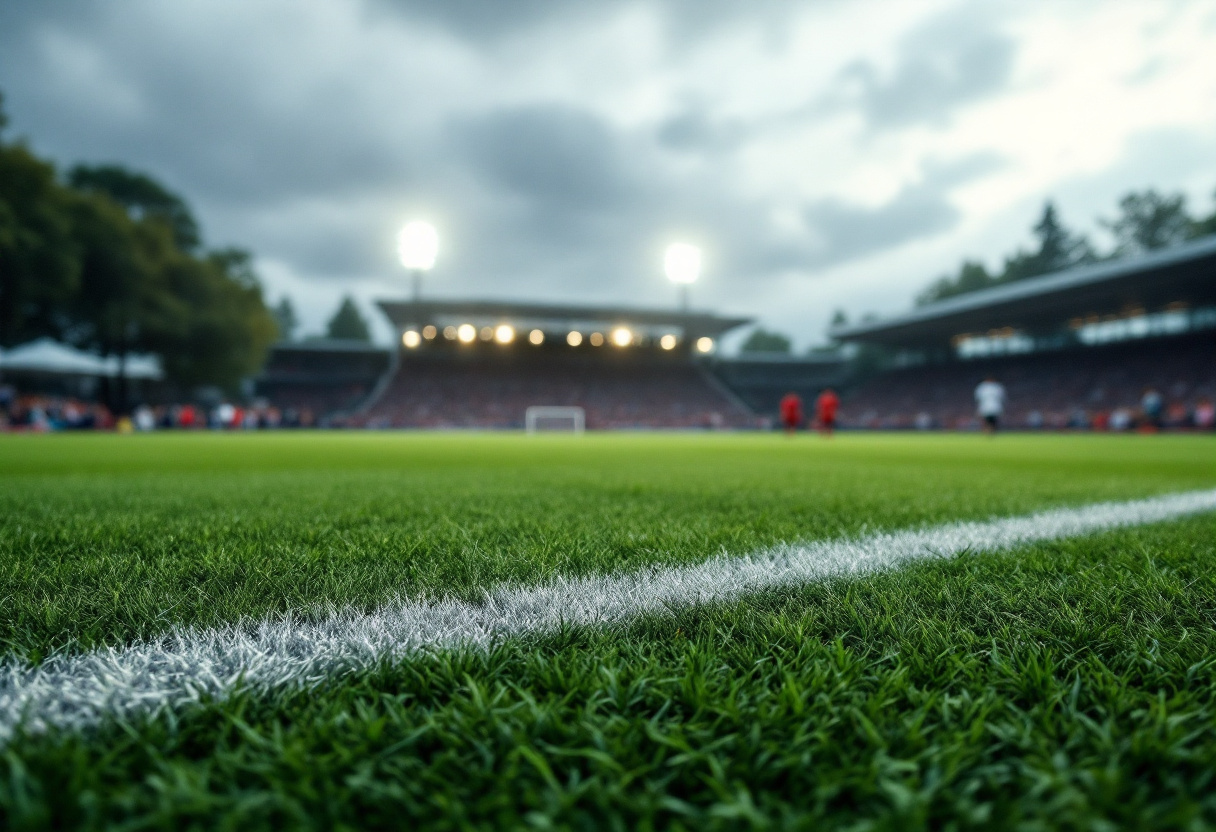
(597, 339)
(574, 338)
(418, 246)
(504, 334)
(622, 337)
(429, 332)
(536, 337)
(411, 338)
(682, 263)
(668, 342)
(449, 332)
(466, 333)
(705, 344)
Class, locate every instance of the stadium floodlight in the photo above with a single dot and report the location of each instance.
(449, 332)
(411, 338)
(536, 337)
(682, 263)
(705, 344)
(417, 246)
(574, 338)
(622, 337)
(487, 333)
(668, 342)
(466, 333)
(429, 332)
(504, 334)
(597, 339)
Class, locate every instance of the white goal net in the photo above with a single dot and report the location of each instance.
(538, 418)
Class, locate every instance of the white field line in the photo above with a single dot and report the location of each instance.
(82, 690)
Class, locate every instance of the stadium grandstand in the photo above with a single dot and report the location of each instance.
(760, 380)
(322, 378)
(482, 364)
(1076, 348)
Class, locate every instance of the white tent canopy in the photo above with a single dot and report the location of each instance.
(49, 356)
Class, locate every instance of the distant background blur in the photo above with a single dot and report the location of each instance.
(827, 156)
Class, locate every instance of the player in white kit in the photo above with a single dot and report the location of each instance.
(990, 403)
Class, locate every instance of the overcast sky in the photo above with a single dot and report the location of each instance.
(825, 154)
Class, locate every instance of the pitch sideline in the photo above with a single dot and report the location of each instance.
(82, 690)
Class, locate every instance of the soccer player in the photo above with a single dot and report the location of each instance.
(825, 411)
(990, 403)
(791, 412)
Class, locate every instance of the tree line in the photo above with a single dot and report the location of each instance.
(1146, 221)
(109, 260)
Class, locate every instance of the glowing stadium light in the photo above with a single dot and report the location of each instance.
(536, 337)
(597, 339)
(705, 344)
(417, 246)
(574, 338)
(429, 332)
(504, 334)
(682, 263)
(449, 332)
(466, 333)
(668, 342)
(411, 338)
(622, 337)
(487, 333)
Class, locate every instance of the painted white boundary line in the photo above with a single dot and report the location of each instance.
(78, 691)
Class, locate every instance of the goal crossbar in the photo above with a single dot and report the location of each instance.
(536, 414)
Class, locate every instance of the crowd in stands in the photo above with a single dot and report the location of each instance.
(487, 395)
(41, 414)
(1165, 384)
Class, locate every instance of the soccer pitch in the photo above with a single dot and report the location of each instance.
(1062, 675)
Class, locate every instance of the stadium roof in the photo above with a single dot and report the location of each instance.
(1183, 274)
(403, 313)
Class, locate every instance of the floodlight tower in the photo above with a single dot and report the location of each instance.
(417, 246)
(683, 265)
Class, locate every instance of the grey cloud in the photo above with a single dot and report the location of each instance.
(848, 231)
(952, 60)
(693, 128)
(558, 158)
(488, 21)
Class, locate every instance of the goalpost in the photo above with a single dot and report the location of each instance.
(539, 417)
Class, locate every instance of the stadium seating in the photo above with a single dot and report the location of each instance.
(485, 393)
(1076, 388)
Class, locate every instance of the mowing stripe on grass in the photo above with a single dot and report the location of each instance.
(178, 668)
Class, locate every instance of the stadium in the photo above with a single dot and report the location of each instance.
(538, 543)
(1076, 349)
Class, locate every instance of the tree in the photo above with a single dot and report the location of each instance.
(123, 300)
(142, 196)
(1058, 249)
(39, 267)
(218, 327)
(285, 319)
(1203, 227)
(1149, 221)
(972, 276)
(763, 341)
(347, 324)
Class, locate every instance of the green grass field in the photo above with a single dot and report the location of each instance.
(1063, 685)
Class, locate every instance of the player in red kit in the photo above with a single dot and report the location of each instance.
(825, 411)
(791, 412)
